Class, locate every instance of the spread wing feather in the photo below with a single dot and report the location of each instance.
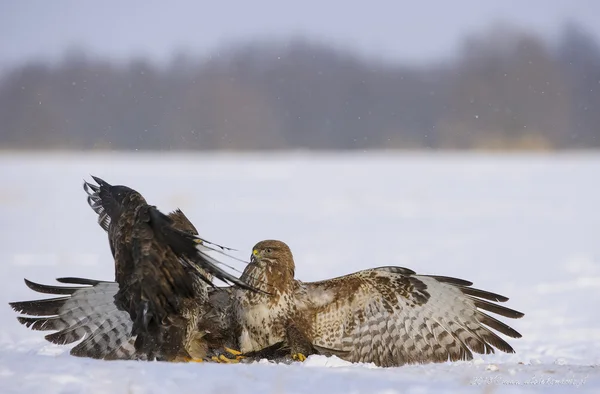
(88, 314)
(391, 316)
(174, 229)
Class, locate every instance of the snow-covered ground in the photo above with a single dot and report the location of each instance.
(525, 226)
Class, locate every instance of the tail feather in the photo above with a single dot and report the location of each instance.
(88, 313)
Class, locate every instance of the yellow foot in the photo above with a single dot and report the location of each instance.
(298, 357)
(224, 360)
(232, 351)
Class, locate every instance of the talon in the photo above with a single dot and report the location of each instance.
(232, 351)
(298, 357)
(224, 360)
(229, 360)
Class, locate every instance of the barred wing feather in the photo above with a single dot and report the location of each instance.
(391, 316)
(85, 312)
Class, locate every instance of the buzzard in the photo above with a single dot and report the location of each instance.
(162, 304)
(389, 316)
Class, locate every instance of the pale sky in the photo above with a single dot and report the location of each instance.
(410, 31)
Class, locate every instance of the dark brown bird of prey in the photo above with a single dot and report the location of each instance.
(389, 316)
(162, 304)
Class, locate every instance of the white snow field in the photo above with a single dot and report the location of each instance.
(525, 226)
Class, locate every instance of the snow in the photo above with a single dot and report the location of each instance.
(525, 226)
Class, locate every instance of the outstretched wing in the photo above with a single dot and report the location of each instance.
(85, 312)
(173, 230)
(391, 316)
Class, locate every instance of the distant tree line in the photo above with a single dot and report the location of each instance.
(506, 89)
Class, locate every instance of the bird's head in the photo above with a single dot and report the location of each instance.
(122, 194)
(273, 255)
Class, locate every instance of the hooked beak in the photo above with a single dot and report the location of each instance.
(254, 257)
(100, 182)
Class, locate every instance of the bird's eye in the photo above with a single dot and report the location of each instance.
(268, 250)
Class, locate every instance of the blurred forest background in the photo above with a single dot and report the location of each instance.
(507, 88)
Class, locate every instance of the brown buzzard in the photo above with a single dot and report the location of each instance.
(162, 304)
(389, 316)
